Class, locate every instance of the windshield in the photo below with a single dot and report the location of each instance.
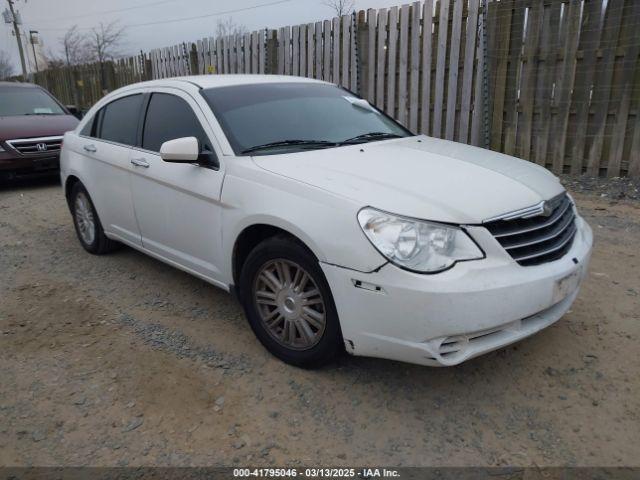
(268, 118)
(16, 101)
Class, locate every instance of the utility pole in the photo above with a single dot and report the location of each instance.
(16, 30)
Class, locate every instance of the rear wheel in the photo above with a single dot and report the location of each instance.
(288, 303)
(87, 223)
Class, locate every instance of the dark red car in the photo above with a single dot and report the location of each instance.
(32, 123)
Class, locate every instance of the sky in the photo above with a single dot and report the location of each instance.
(51, 18)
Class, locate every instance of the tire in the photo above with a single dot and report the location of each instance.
(87, 223)
(297, 336)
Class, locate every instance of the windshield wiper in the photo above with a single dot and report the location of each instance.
(365, 137)
(288, 143)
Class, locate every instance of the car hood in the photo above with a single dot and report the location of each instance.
(29, 126)
(422, 177)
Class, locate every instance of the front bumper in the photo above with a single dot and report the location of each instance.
(449, 317)
(14, 166)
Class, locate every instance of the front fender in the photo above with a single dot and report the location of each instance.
(325, 222)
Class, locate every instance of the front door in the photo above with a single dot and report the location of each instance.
(177, 205)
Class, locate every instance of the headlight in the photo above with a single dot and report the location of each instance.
(417, 245)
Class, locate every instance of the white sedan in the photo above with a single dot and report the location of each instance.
(337, 228)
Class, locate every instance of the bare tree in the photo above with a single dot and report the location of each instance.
(75, 47)
(104, 40)
(6, 65)
(228, 26)
(103, 43)
(340, 7)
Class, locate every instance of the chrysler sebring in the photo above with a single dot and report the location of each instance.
(336, 227)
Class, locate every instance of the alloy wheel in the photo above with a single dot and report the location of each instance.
(84, 219)
(290, 304)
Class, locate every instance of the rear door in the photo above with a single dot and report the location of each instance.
(178, 205)
(107, 141)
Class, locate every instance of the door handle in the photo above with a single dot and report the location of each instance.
(140, 162)
(90, 148)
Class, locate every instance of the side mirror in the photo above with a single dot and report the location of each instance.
(73, 110)
(180, 150)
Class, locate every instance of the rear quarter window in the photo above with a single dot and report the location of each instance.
(89, 129)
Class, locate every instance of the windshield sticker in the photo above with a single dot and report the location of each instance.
(42, 110)
(360, 103)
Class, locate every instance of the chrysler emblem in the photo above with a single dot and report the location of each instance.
(42, 147)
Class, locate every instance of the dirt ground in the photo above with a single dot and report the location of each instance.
(122, 360)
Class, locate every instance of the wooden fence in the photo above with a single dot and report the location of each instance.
(84, 85)
(552, 81)
(565, 83)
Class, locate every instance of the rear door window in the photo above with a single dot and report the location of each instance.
(119, 120)
(90, 129)
(170, 117)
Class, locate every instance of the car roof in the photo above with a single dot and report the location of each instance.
(214, 81)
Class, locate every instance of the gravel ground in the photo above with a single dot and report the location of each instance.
(122, 360)
(617, 188)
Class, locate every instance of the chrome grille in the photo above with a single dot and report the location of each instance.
(36, 146)
(541, 238)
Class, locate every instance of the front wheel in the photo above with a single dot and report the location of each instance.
(289, 304)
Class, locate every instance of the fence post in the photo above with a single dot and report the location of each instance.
(486, 109)
(193, 60)
(362, 48)
(499, 36)
(111, 77)
(74, 87)
(271, 53)
(147, 65)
